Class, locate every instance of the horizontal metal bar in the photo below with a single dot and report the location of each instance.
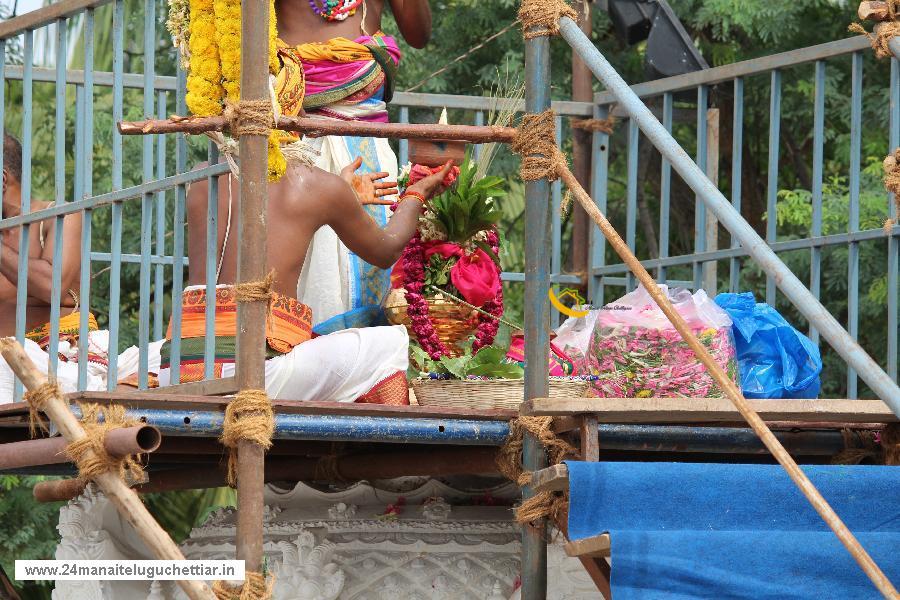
(336, 428)
(837, 239)
(623, 281)
(137, 191)
(155, 259)
(401, 99)
(554, 278)
(833, 332)
(46, 15)
(755, 66)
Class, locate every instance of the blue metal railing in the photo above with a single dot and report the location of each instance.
(605, 273)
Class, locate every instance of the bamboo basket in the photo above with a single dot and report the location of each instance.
(490, 393)
(453, 322)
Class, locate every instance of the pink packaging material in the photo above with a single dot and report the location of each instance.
(635, 352)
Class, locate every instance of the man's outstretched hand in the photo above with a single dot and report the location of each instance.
(368, 187)
(432, 185)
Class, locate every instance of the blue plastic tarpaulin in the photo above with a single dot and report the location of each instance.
(682, 531)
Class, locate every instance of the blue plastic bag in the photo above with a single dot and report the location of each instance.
(775, 360)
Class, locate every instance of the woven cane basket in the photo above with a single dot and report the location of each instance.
(452, 322)
(489, 393)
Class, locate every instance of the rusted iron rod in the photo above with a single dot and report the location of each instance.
(126, 501)
(382, 465)
(312, 127)
(141, 439)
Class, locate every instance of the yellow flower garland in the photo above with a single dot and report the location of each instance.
(215, 73)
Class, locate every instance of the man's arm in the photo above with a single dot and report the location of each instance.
(414, 21)
(40, 269)
(362, 235)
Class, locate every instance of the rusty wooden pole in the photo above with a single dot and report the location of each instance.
(141, 439)
(313, 127)
(582, 91)
(710, 271)
(250, 367)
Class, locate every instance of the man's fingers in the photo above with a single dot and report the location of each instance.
(386, 192)
(385, 184)
(357, 163)
(382, 202)
(379, 175)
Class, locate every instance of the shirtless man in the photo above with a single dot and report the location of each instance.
(40, 251)
(298, 24)
(351, 365)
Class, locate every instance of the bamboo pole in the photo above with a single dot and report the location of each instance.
(123, 498)
(312, 127)
(730, 389)
(250, 366)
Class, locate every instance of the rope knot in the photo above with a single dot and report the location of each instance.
(37, 400)
(890, 444)
(535, 142)
(541, 17)
(880, 37)
(97, 422)
(255, 587)
(248, 417)
(256, 291)
(595, 125)
(891, 166)
(249, 117)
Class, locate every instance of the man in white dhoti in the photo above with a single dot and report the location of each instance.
(352, 365)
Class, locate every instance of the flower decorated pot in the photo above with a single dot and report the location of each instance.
(453, 322)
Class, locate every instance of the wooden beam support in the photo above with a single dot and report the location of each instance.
(551, 479)
(711, 410)
(590, 438)
(597, 546)
(312, 127)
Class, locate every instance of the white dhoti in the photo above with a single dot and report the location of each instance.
(66, 370)
(339, 367)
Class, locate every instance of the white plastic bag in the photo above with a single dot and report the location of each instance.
(636, 352)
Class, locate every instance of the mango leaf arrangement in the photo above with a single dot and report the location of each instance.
(488, 362)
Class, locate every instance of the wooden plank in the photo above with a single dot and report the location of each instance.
(551, 479)
(711, 410)
(212, 387)
(597, 567)
(597, 546)
(46, 15)
(590, 438)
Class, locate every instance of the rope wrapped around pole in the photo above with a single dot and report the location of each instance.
(541, 17)
(544, 157)
(255, 587)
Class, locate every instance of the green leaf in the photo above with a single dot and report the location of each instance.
(502, 371)
(489, 355)
(458, 367)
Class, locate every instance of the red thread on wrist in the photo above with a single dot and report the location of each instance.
(413, 194)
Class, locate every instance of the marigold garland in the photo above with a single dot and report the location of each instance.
(215, 66)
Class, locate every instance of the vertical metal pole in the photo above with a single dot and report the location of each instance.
(853, 221)
(893, 241)
(87, 188)
(599, 181)
(815, 259)
(404, 144)
(115, 242)
(147, 199)
(178, 232)
(582, 91)
(537, 312)
(59, 177)
(251, 237)
(772, 190)
(634, 136)
(710, 270)
(699, 211)
(159, 271)
(665, 192)
(556, 229)
(212, 237)
(479, 120)
(24, 237)
(737, 149)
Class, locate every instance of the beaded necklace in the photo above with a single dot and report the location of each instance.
(335, 10)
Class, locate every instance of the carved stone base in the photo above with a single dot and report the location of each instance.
(404, 539)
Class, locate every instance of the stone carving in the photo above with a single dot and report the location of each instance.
(342, 511)
(436, 509)
(306, 570)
